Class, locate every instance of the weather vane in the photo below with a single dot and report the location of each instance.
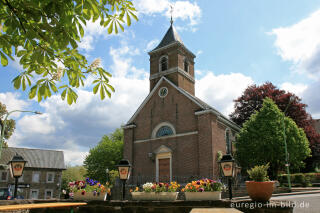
(171, 11)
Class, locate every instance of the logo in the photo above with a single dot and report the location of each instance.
(17, 167)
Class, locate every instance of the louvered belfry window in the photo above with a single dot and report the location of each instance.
(164, 131)
(164, 64)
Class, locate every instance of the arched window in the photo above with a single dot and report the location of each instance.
(163, 63)
(186, 66)
(164, 131)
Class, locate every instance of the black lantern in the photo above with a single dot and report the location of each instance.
(227, 164)
(124, 174)
(16, 166)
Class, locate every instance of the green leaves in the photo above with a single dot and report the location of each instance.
(43, 34)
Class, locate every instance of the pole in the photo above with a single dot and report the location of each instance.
(285, 146)
(15, 188)
(230, 187)
(286, 153)
(123, 189)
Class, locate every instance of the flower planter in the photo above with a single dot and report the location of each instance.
(260, 191)
(88, 196)
(203, 195)
(160, 196)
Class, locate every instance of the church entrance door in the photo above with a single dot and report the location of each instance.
(164, 170)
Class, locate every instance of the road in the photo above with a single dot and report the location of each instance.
(305, 203)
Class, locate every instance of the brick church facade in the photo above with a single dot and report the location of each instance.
(173, 133)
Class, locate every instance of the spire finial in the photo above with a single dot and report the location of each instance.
(171, 11)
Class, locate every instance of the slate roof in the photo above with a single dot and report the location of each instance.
(170, 37)
(36, 158)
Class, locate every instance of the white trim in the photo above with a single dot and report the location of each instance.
(165, 137)
(160, 64)
(163, 156)
(155, 130)
(165, 94)
(207, 111)
(37, 190)
(128, 126)
(170, 71)
(52, 177)
(45, 193)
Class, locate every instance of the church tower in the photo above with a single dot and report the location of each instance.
(174, 61)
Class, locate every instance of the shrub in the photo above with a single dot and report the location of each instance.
(259, 173)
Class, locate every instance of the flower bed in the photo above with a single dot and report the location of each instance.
(88, 190)
(156, 191)
(205, 189)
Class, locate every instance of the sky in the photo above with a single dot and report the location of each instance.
(236, 43)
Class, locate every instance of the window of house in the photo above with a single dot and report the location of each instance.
(164, 131)
(163, 63)
(34, 193)
(3, 176)
(48, 194)
(35, 177)
(50, 177)
(186, 66)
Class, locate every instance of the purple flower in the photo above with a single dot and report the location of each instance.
(198, 182)
(201, 190)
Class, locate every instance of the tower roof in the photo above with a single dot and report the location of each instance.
(170, 37)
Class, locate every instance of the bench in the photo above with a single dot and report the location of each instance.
(41, 206)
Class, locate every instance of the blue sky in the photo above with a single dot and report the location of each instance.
(237, 43)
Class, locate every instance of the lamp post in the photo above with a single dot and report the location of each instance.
(228, 168)
(124, 174)
(4, 125)
(285, 144)
(107, 171)
(16, 166)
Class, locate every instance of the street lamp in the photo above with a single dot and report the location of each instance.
(107, 171)
(228, 168)
(4, 125)
(124, 174)
(285, 143)
(16, 166)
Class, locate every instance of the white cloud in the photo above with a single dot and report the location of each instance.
(311, 97)
(300, 43)
(152, 44)
(296, 89)
(184, 10)
(13, 102)
(219, 91)
(76, 128)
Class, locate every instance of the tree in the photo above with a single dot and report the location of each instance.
(252, 100)
(72, 173)
(105, 155)
(10, 123)
(261, 140)
(43, 35)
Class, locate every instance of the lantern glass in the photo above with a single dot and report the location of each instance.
(124, 172)
(17, 168)
(227, 168)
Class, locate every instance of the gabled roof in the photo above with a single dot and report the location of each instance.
(170, 37)
(36, 158)
(205, 108)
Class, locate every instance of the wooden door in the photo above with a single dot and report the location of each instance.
(164, 170)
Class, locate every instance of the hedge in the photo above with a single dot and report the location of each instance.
(305, 179)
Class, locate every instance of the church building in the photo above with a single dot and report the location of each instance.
(173, 134)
